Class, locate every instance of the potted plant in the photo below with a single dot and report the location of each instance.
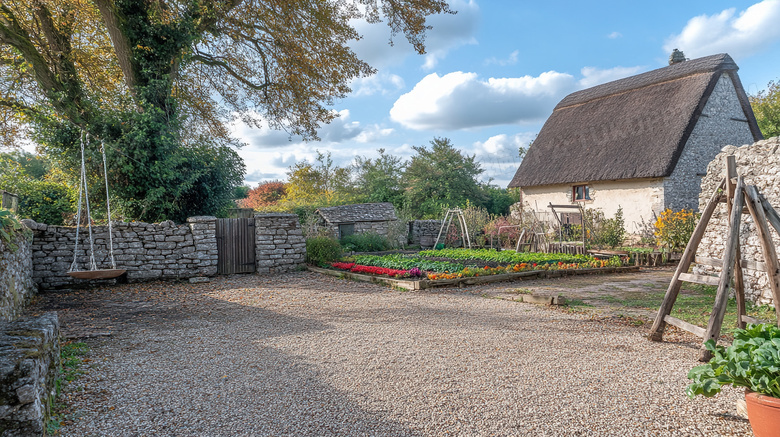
(752, 361)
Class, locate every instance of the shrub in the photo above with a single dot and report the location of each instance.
(603, 231)
(366, 242)
(500, 235)
(322, 250)
(45, 202)
(674, 229)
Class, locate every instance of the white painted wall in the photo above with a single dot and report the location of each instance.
(640, 198)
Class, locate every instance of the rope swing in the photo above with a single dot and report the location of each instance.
(92, 271)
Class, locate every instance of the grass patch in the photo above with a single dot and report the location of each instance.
(73, 357)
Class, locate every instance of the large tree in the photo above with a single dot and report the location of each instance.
(157, 81)
(766, 107)
(380, 179)
(440, 177)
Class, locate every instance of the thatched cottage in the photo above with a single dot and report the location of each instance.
(642, 142)
(346, 220)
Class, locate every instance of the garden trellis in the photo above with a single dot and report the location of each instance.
(92, 272)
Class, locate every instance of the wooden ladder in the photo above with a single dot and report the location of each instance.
(741, 200)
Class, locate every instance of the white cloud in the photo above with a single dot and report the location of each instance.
(499, 157)
(381, 83)
(340, 129)
(461, 100)
(373, 133)
(615, 35)
(741, 35)
(511, 60)
(448, 32)
(593, 76)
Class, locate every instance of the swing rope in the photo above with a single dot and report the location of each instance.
(108, 208)
(83, 187)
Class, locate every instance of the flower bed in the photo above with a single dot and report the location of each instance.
(400, 266)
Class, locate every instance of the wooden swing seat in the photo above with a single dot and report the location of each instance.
(97, 274)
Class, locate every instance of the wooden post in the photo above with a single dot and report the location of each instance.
(767, 245)
(722, 296)
(739, 281)
(657, 331)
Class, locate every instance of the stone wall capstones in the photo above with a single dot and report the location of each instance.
(29, 365)
(758, 164)
(16, 284)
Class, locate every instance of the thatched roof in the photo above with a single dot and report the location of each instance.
(630, 128)
(360, 212)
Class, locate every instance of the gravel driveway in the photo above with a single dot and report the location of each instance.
(304, 354)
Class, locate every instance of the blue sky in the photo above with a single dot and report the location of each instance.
(495, 70)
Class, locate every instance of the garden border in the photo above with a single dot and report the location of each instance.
(423, 284)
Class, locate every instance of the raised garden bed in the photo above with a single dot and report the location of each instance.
(422, 284)
(457, 267)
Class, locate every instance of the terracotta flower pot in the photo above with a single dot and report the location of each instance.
(764, 414)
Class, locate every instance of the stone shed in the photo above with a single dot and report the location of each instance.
(759, 165)
(359, 218)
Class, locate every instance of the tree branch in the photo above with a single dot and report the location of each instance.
(121, 43)
(212, 62)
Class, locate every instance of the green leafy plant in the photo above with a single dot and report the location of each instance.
(10, 226)
(505, 257)
(322, 250)
(365, 242)
(402, 262)
(752, 361)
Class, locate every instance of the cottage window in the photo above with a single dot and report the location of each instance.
(580, 193)
(346, 230)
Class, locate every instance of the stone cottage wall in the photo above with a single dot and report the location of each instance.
(759, 164)
(722, 122)
(150, 251)
(279, 243)
(16, 284)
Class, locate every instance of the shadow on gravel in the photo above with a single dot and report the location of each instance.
(173, 361)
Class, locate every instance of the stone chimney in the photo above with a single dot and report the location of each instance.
(676, 57)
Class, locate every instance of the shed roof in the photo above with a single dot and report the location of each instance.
(359, 212)
(629, 128)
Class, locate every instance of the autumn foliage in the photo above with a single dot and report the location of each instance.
(265, 194)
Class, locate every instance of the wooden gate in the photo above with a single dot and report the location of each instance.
(235, 246)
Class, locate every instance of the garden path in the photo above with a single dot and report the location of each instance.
(303, 354)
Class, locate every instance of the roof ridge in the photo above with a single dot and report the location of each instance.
(706, 64)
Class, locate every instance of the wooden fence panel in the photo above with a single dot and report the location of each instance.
(235, 246)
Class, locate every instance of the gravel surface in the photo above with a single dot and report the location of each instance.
(305, 354)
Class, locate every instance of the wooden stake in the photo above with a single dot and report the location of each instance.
(657, 331)
(767, 245)
(722, 296)
(739, 281)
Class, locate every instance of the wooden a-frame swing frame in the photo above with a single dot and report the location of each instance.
(740, 199)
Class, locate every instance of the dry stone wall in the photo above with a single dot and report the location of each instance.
(16, 284)
(150, 251)
(29, 365)
(759, 164)
(279, 243)
(424, 232)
